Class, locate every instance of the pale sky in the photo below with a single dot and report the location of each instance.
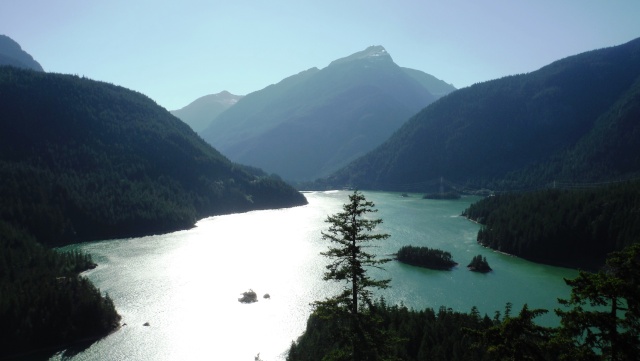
(177, 51)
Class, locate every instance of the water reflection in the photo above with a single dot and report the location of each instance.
(186, 284)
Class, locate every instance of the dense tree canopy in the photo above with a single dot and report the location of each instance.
(605, 309)
(575, 228)
(83, 160)
(425, 257)
(43, 301)
(439, 335)
(87, 160)
(599, 322)
(479, 264)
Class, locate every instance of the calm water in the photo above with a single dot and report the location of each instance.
(186, 284)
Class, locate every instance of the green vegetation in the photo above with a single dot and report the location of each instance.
(43, 301)
(575, 228)
(351, 311)
(574, 120)
(479, 264)
(613, 325)
(425, 257)
(599, 322)
(419, 335)
(83, 160)
(518, 338)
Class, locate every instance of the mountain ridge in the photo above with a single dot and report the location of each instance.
(493, 134)
(313, 122)
(112, 163)
(199, 113)
(377, 52)
(11, 53)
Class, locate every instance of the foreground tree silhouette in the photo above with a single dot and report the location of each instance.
(516, 338)
(358, 337)
(605, 313)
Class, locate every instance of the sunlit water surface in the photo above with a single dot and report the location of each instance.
(186, 284)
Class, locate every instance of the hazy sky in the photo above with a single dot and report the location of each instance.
(177, 51)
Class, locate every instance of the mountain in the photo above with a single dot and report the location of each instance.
(199, 113)
(575, 120)
(83, 160)
(435, 86)
(314, 122)
(12, 54)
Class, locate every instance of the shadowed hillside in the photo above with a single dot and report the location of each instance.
(574, 120)
(85, 160)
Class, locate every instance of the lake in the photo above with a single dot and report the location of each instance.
(186, 284)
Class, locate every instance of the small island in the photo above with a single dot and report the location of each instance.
(425, 257)
(479, 264)
(248, 297)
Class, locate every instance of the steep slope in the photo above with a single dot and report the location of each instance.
(435, 86)
(199, 113)
(314, 122)
(84, 160)
(574, 120)
(574, 228)
(12, 54)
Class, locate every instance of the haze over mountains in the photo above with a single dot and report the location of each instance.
(83, 160)
(318, 120)
(12, 54)
(575, 120)
(199, 113)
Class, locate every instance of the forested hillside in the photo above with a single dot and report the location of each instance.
(574, 120)
(574, 228)
(84, 160)
(317, 121)
(44, 304)
(443, 335)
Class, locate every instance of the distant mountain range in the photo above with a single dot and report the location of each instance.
(575, 120)
(200, 113)
(83, 160)
(312, 123)
(12, 54)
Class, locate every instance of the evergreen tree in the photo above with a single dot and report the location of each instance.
(516, 338)
(605, 314)
(351, 231)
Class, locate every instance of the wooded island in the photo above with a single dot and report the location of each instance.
(425, 257)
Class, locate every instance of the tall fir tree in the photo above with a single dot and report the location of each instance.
(350, 231)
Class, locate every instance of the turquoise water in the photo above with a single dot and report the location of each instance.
(186, 284)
